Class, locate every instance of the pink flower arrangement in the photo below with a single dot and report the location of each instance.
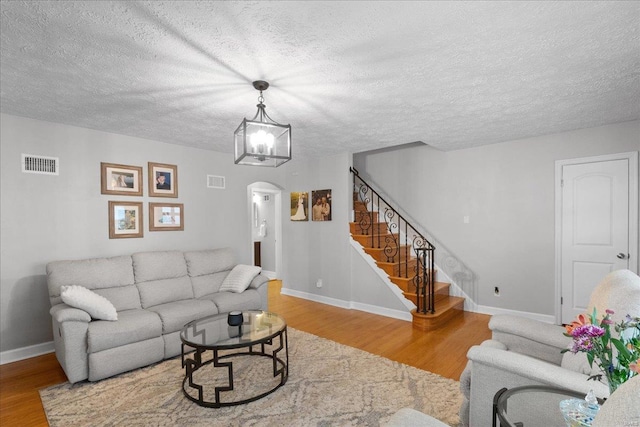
(618, 356)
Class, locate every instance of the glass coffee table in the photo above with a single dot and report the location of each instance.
(232, 374)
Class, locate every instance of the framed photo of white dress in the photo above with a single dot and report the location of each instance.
(300, 206)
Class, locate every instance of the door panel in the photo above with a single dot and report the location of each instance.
(595, 228)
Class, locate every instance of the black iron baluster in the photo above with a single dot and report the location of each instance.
(424, 279)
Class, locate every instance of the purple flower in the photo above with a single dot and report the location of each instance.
(588, 331)
(609, 311)
(581, 344)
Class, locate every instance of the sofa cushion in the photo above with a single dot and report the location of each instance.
(200, 263)
(98, 273)
(96, 305)
(148, 266)
(239, 278)
(132, 326)
(175, 315)
(158, 292)
(208, 284)
(229, 301)
(123, 297)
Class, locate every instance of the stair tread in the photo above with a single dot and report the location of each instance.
(383, 264)
(375, 235)
(445, 304)
(441, 284)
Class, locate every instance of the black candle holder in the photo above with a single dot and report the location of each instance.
(235, 318)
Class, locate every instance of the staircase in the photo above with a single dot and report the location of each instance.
(404, 255)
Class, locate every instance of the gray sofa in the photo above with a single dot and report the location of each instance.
(155, 295)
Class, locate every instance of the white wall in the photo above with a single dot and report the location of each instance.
(319, 250)
(507, 190)
(46, 218)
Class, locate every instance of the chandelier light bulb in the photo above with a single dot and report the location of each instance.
(261, 140)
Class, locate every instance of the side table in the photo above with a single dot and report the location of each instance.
(530, 406)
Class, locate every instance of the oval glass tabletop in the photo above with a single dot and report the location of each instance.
(215, 331)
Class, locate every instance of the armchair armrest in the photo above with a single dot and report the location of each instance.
(64, 313)
(534, 371)
(492, 369)
(530, 337)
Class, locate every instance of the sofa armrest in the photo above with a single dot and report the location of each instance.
(530, 337)
(64, 313)
(258, 281)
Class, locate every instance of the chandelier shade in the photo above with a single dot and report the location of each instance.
(262, 141)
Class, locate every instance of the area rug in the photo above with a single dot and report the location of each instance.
(329, 384)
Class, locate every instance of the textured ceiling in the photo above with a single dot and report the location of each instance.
(351, 76)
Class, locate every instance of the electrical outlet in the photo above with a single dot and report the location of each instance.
(319, 283)
(496, 291)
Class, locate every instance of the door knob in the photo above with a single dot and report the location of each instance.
(622, 256)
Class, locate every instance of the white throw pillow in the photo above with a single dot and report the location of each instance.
(239, 278)
(96, 305)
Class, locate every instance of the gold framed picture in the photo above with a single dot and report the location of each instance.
(299, 206)
(163, 180)
(121, 180)
(166, 217)
(125, 220)
(321, 205)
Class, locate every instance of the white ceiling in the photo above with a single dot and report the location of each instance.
(354, 76)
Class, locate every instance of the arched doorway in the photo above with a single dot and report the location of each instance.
(264, 201)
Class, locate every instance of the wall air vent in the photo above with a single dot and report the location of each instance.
(214, 181)
(40, 164)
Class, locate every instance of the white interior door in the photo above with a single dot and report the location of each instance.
(595, 236)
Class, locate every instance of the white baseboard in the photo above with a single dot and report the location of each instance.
(397, 314)
(382, 311)
(26, 352)
(485, 309)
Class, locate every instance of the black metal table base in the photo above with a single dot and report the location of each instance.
(191, 365)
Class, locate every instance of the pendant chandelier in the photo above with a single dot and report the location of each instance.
(262, 141)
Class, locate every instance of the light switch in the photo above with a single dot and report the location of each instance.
(465, 219)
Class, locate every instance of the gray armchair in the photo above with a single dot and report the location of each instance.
(527, 352)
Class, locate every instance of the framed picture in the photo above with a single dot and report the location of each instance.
(299, 206)
(166, 217)
(122, 180)
(321, 208)
(125, 220)
(163, 180)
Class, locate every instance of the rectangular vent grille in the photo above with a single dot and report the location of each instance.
(40, 164)
(214, 181)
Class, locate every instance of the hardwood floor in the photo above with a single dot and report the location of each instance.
(442, 352)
